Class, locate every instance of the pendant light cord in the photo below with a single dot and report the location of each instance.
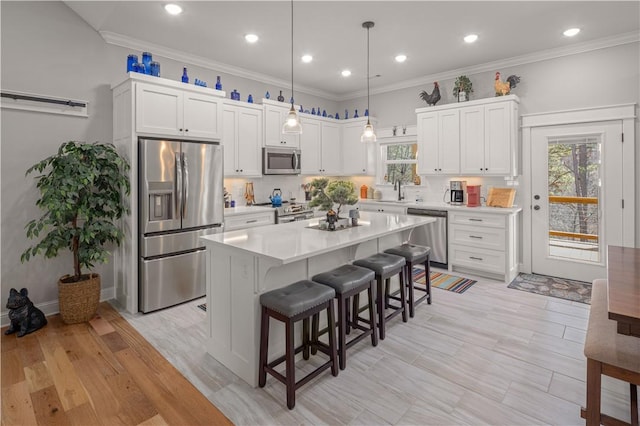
(292, 100)
(368, 73)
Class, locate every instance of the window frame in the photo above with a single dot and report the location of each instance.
(382, 161)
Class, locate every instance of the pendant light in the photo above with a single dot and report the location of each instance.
(368, 134)
(292, 122)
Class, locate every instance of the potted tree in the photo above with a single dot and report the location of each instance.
(82, 189)
(325, 194)
(462, 88)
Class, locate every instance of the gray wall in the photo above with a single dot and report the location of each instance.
(48, 50)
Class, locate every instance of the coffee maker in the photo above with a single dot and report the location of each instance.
(458, 190)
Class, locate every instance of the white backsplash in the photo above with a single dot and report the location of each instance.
(432, 188)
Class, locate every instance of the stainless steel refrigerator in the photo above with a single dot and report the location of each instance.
(180, 199)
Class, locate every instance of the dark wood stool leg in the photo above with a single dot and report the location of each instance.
(371, 293)
(381, 304)
(594, 370)
(264, 347)
(290, 364)
(342, 323)
(387, 292)
(409, 271)
(315, 332)
(347, 315)
(355, 310)
(332, 339)
(403, 297)
(305, 338)
(427, 279)
(633, 391)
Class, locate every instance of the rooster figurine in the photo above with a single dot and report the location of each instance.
(504, 88)
(434, 97)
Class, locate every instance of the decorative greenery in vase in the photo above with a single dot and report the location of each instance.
(325, 194)
(82, 195)
(462, 84)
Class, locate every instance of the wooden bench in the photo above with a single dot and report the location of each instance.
(609, 353)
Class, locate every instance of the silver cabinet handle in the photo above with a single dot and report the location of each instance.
(475, 236)
(475, 220)
(475, 258)
(252, 221)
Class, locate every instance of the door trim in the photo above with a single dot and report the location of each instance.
(624, 113)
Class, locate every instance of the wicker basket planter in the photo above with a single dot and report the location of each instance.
(78, 300)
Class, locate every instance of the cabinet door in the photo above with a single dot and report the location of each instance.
(354, 150)
(449, 142)
(249, 142)
(472, 140)
(273, 120)
(331, 149)
(202, 116)
(158, 110)
(229, 137)
(428, 147)
(499, 157)
(310, 142)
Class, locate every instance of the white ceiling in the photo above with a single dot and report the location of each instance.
(211, 34)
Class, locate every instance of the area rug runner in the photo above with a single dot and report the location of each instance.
(443, 281)
(577, 291)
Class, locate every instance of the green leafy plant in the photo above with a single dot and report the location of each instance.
(462, 82)
(82, 195)
(325, 194)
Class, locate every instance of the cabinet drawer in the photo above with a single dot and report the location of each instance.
(477, 219)
(477, 236)
(248, 221)
(477, 258)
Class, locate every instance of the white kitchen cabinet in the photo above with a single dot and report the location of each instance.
(488, 135)
(438, 142)
(321, 148)
(483, 244)
(359, 158)
(248, 220)
(372, 206)
(168, 111)
(274, 115)
(242, 138)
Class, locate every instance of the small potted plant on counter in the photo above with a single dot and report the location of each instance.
(462, 88)
(82, 192)
(325, 194)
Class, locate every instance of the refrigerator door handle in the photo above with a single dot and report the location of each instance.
(178, 185)
(185, 186)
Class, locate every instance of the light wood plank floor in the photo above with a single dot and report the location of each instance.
(97, 373)
(492, 355)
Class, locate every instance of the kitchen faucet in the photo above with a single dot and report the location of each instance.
(398, 185)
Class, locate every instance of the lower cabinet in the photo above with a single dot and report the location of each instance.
(483, 243)
(249, 220)
(382, 207)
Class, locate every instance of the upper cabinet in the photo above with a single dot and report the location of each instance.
(274, 115)
(472, 138)
(242, 138)
(189, 112)
(359, 158)
(320, 145)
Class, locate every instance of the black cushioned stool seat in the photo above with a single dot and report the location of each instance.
(414, 254)
(298, 301)
(386, 265)
(347, 281)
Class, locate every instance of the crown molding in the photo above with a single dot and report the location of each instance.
(603, 43)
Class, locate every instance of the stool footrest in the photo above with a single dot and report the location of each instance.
(604, 419)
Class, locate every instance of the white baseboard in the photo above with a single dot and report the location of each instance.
(52, 307)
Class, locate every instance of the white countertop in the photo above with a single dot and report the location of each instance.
(439, 205)
(289, 242)
(241, 210)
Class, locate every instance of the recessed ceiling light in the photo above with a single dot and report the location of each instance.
(401, 58)
(307, 58)
(571, 32)
(251, 38)
(173, 9)
(346, 73)
(470, 38)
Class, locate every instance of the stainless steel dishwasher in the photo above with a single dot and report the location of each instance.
(433, 235)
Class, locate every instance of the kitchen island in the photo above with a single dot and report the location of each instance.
(243, 264)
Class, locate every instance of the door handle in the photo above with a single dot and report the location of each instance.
(536, 197)
(178, 185)
(536, 207)
(185, 184)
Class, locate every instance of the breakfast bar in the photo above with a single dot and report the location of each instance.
(243, 264)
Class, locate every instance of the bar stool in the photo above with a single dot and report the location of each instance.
(295, 302)
(347, 281)
(415, 255)
(385, 266)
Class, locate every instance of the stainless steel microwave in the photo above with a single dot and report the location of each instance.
(280, 161)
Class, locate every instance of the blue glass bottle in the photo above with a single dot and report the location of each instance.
(346, 114)
(218, 83)
(324, 112)
(146, 60)
(131, 60)
(355, 115)
(250, 99)
(267, 95)
(337, 116)
(301, 110)
(280, 97)
(366, 112)
(313, 111)
(155, 69)
(185, 77)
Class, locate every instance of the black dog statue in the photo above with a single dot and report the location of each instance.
(25, 318)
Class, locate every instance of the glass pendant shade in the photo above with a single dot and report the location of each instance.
(368, 135)
(292, 123)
